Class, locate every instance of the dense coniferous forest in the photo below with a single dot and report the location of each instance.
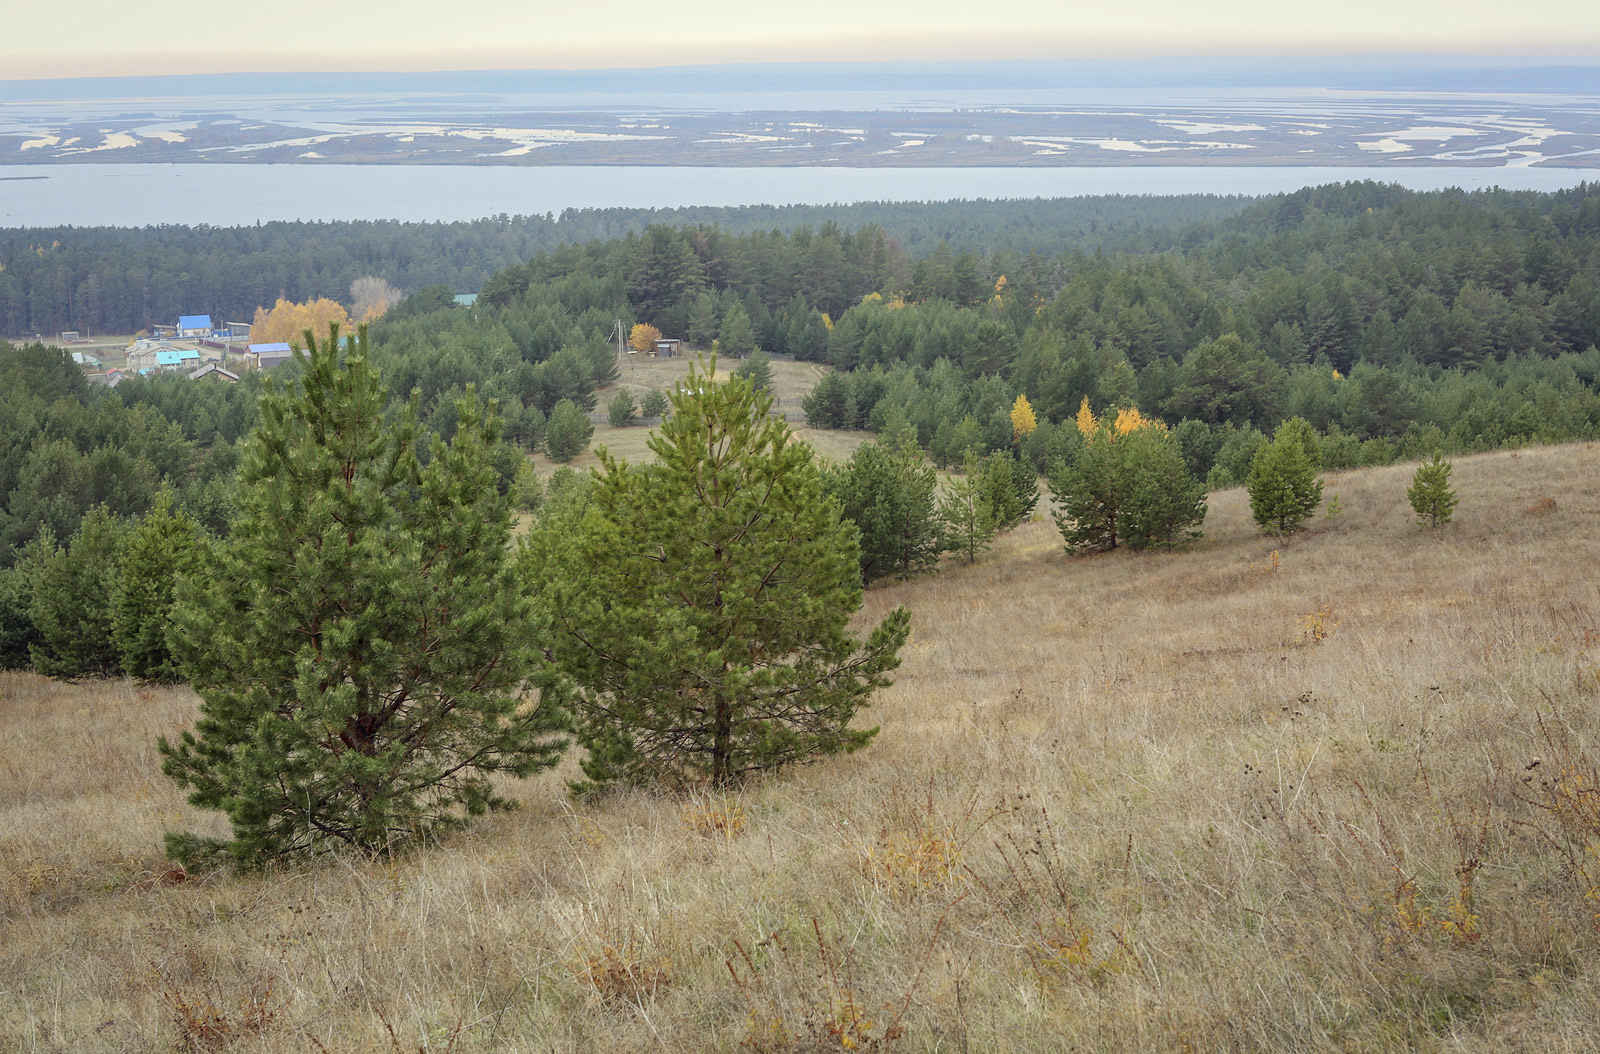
(1393, 323)
(121, 280)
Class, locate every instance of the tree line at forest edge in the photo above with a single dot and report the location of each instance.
(125, 279)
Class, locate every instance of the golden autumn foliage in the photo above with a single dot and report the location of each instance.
(1023, 421)
(1086, 419)
(1129, 419)
(643, 337)
(287, 322)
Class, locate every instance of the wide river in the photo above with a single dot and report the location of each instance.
(234, 195)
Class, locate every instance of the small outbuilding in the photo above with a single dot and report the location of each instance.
(212, 372)
(266, 356)
(667, 348)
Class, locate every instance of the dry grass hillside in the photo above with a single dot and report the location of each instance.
(1334, 795)
(791, 382)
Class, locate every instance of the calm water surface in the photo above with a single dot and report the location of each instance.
(234, 195)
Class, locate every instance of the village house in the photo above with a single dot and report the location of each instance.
(266, 356)
(194, 326)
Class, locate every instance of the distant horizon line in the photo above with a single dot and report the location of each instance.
(1037, 70)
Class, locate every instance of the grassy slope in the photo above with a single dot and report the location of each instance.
(791, 382)
(1247, 851)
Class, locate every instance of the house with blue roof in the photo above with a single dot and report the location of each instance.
(194, 325)
(167, 360)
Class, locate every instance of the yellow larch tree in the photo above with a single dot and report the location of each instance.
(1129, 419)
(1086, 420)
(288, 321)
(643, 337)
(1023, 421)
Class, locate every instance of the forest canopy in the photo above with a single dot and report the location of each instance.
(1394, 323)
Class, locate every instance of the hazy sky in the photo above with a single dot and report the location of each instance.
(101, 37)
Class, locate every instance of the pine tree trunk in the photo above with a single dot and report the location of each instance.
(722, 742)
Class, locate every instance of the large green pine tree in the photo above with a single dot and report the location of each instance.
(1010, 486)
(17, 633)
(703, 604)
(1283, 485)
(158, 550)
(1090, 490)
(888, 490)
(622, 410)
(757, 367)
(1163, 504)
(568, 432)
(70, 603)
(359, 644)
(737, 336)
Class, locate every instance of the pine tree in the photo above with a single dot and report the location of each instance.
(527, 490)
(568, 433)
(968, 518)
(703, 606)
(1431, 494)
(70, 605)
(359, 644)
(158, 550)
(758, 368)
(17, 634)
(1009, 486)
(566, 496)
(622, 410)
(702, 322)
(887, 489)
(1090, 491)
(1283, 485)
(1128, 486)
(1163, 504)
(654, 404)
(737, 336)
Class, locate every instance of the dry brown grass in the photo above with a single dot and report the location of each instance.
(1201, 801)
(791, 382)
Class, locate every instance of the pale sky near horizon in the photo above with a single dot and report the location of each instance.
(113, 37)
